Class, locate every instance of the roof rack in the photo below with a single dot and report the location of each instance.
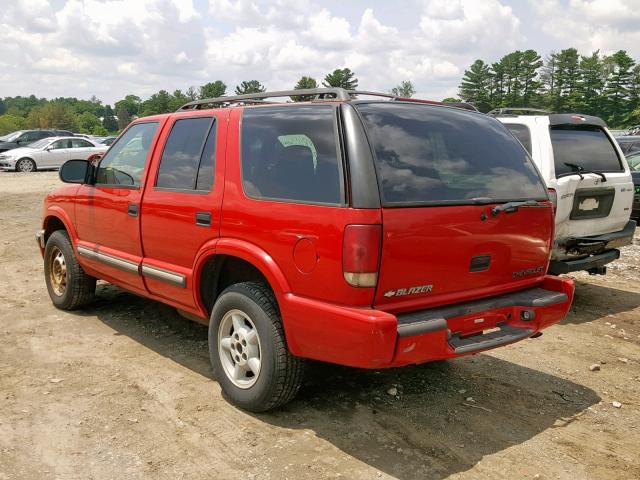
(317, 93)
(514, 111)
(330, 93)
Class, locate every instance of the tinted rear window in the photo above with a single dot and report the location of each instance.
(586, 147)
(522, 133)
(291, 154)
(428, 154)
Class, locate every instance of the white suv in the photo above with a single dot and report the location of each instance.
(588, 175)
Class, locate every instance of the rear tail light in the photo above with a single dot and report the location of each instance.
(361, 254)
(553, 196)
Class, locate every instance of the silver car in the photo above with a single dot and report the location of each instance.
(49, 153)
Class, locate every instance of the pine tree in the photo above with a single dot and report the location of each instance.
(567, 81)
(618, 89)
(529, 79)
(109, 121)
(591, 83)
(476, 85)
(405, 89)
(304, 83)
(250, 86)
(342, 78)
(212, 90)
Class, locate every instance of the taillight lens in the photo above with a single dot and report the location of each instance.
(361, 254)
(553, 196)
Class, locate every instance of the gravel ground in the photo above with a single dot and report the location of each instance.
(123, 389)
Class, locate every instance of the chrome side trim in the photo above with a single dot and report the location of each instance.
(111, 260)
(163, 275)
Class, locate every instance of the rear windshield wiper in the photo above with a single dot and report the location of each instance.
(578, 170)
(510, 207)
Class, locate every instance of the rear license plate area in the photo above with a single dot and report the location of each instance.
(592, 203)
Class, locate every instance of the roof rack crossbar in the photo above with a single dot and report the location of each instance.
(325, 93)
(512, 110)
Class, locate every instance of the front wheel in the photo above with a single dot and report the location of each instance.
(248, 349)
(25, 165)
(68, 286)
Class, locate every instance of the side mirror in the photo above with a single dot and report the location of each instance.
(75, 171)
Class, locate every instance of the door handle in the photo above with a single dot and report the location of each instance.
(132, 210)
(203, 219)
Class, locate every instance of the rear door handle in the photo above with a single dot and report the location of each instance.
(203, 219)
(132, 210)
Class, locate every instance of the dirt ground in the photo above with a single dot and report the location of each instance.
(124, 390)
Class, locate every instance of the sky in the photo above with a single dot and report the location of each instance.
(111, 48)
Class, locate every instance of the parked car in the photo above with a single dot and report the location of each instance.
(590, 180)
(366, 233)
(629, 144)
(108, 140)
(48, 153)
(23, 138)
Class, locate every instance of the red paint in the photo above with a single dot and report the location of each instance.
(302, 250)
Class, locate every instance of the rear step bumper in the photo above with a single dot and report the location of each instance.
(370, 338)
(603, 246)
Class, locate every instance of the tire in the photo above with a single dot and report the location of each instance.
(279, 374)
(25, 165)
(68, 286)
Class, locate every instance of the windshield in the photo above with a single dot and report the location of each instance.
(12, 136)
(427, 155)
(585, 147)
(40, 143)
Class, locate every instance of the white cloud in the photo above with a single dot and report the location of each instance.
(115, 47)
(589, 25)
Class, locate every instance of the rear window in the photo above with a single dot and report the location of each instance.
(291, 154)
(427, 155)
(586, 147)
(522, 133)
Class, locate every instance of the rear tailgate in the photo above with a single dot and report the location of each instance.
(593, 183)
(440, 255)
(441, 170)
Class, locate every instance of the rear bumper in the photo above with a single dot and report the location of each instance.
(369, 338)
(598, 250)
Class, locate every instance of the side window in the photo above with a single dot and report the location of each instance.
(291, 153)
(635, 147)
(188, 156)
(80, 143)
(28, 137)
(522, 133)
(58, 144)
(124, 162)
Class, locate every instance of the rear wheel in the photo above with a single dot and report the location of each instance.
(248, 350)
(25, 165)
(68, 286)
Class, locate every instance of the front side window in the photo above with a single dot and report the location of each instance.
(291, 154)
(187, 163)
(522, 133)
(436, 155)
(586, 148)
(124, 162)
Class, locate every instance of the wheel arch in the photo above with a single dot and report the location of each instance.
(55, 218)
(231, 261)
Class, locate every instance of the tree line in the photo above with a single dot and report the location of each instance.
(92, 117)
(607, 86)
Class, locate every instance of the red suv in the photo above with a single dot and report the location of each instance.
(369, 233)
